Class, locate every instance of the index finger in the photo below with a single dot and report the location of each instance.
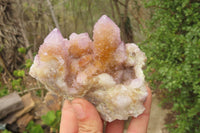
(140, 124)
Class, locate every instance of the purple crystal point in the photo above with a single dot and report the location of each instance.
(54, 37)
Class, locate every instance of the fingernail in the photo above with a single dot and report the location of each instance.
(79, 110)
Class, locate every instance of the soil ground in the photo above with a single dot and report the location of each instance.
(157, 117)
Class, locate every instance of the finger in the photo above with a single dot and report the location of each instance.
(89, 120)
(140, 124)
(116, 126)
(69, 123)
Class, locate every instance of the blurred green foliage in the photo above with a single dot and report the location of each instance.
(3, 90)
(22, 50)
(16, 84)
(51, 119)
(173, 51)
(33, 128)
(19, 73)
(6, 131)
(28, 63)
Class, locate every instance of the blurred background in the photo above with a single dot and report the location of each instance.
(167, 31)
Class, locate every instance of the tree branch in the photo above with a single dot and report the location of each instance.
(53, 14)
(28, 90)
(30, 54)
(121, 3)
(27, 44)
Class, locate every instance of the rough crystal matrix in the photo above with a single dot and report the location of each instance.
(105, 71)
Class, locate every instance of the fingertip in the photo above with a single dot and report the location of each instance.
(66, 105)
(88, 117)
(85, 106)
(69, 121)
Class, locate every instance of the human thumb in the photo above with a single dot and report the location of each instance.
(88, 118)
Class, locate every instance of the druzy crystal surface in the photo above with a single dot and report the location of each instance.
(105, 71)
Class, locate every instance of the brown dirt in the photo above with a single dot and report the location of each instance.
(157, 117)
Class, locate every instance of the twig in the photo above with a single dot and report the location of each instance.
(27, 44)
(4, 67)
(113, 10)
(53, 14)
(126, 10)
(118, 10)
(32, 89)
(121, 3)
(26, 40)
(3, 77)
(6, 82)
(47, 88)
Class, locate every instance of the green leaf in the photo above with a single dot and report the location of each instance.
(34, 128)
(22, 50)
(30, 125)
(4, 92)
(37, 129)
(16, 84)
(19, 73)
(49, 118)
(28, 63)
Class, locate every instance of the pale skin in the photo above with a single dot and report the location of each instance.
(80, 116)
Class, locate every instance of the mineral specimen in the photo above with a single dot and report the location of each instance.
(105, 71)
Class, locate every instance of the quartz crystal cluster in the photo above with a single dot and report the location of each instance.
(105, 71)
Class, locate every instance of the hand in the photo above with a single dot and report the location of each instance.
(80, 116)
